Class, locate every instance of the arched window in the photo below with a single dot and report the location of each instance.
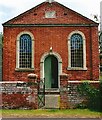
(77, 51)
(76, 48)
(25, 51)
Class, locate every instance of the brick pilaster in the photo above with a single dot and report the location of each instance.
(63, 91)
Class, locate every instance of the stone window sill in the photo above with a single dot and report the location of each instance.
(77, 68)
(24, 69)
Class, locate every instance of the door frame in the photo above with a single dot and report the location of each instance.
(58, 57)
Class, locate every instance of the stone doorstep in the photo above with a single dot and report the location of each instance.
(52, 90)
(52, 101)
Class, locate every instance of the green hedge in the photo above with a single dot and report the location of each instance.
(92, 94)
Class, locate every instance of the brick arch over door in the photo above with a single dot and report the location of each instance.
(44, 56)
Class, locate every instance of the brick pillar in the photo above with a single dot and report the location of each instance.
(33, 83)
(63, 91)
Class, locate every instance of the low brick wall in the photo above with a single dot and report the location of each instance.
(18, 95)
(74, 98)
(69, 95)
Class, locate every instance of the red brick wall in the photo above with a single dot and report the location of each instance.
(95, 53)
(20, 96)
(45, 38)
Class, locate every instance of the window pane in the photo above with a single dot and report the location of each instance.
(25, 51)
(76, 50)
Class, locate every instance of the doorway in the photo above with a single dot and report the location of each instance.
(51, 71)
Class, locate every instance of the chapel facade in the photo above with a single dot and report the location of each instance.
(50, 40)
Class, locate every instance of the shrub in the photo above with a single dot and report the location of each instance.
(92, 94)
(16, 101)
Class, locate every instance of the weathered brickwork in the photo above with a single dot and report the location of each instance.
(58, 40)
(64, 91)
(74, 97)
(46, 37)
(51, 34)
(18, 95)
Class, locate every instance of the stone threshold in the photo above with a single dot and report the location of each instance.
(52, 91)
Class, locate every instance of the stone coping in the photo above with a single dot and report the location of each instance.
(9, 82)
(70, 81)
(84, 81)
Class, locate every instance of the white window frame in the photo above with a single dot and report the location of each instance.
(17, 51)
(84, 51)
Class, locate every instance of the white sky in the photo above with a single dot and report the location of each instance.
(12, 8)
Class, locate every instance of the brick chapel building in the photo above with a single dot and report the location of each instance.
(50, 40)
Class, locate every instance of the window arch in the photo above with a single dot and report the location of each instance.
(25, 53)
(77, 51)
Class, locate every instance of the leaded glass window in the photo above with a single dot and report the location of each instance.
(25, 51)
(76, 47)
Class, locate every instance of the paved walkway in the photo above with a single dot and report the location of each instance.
(51, 119)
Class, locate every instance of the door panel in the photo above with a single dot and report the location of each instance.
(47, 70)
(51, 72)
(54, 70)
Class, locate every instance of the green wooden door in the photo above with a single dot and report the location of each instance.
(51, 72)
(47, 70)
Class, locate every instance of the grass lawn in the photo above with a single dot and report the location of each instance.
(53, 113)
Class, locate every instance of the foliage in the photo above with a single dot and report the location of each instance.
(16, 101)
(100, 78)
(1, 37)
(92, 94)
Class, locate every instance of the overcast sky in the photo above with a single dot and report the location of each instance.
(12, 8)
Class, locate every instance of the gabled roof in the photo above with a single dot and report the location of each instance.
(36, 16)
